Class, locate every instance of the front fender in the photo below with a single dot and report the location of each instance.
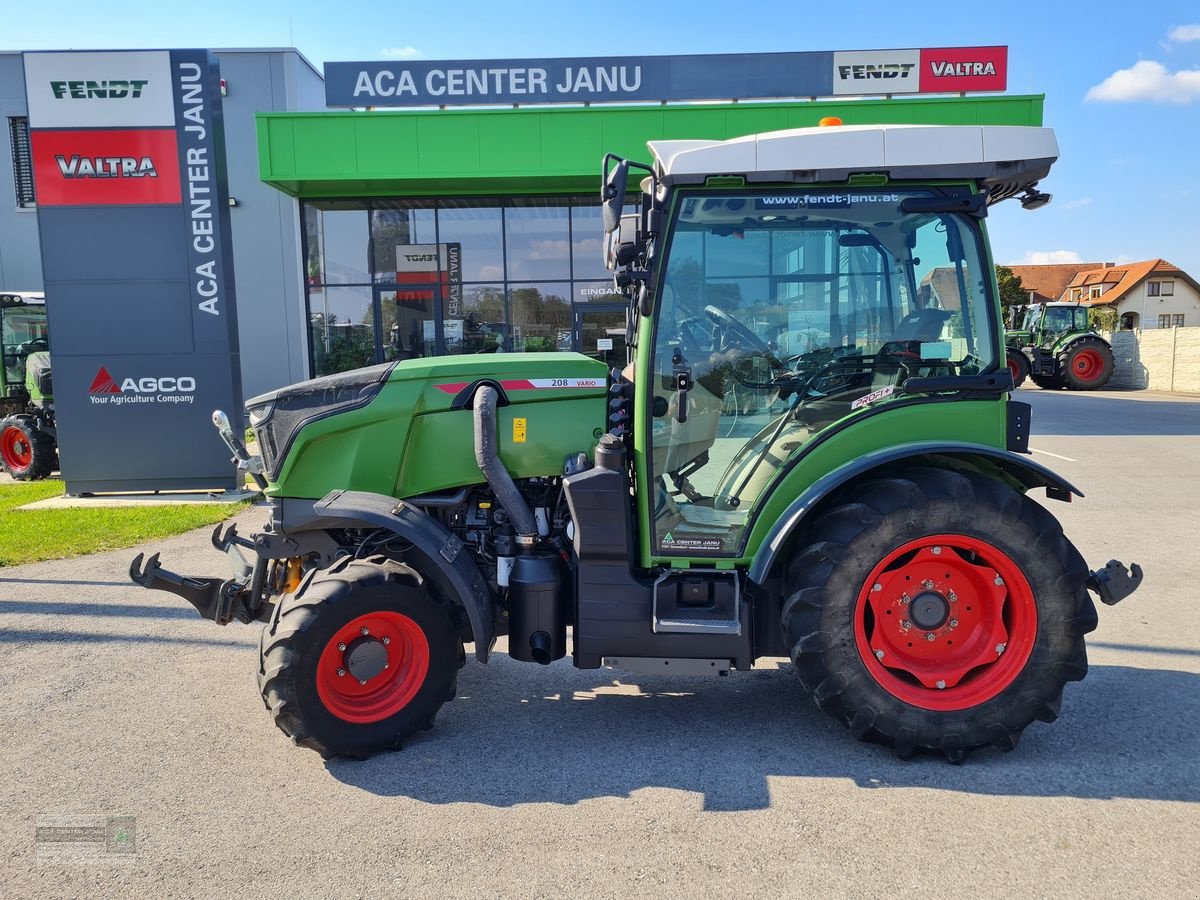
(444, 559)
(1002, 463)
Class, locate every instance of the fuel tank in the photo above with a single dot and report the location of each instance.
(406, 428)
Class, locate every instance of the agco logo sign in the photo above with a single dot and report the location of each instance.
(98, 90)
(106, 390)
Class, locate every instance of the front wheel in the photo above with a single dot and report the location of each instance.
(26, 452)
(1018, 365)
(358, 658)
(938, 610)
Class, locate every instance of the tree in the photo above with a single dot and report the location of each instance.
(1011, 292)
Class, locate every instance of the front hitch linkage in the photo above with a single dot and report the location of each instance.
(1114, 582)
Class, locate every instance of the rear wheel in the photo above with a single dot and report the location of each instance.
(1086, 365)
(358, 658)
(26, 452)
(938, 610)
(1018, 365)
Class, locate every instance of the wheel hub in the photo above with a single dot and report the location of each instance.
(929, 610)
(365, 658)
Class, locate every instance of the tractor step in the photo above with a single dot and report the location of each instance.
(697, 601)
(652, 665)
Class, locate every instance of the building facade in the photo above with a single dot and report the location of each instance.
(265, 224)
(364, 235)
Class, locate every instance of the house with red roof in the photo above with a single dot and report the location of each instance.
(1152, 293)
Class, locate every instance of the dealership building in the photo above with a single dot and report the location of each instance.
(382, 211)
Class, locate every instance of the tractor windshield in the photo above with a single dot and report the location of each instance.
(22, 331)
(785, 312)
(1031, 318)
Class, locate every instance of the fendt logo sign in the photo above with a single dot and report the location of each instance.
(98, 90)
(163, 389)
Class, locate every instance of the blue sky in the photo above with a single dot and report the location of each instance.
(1122, 82)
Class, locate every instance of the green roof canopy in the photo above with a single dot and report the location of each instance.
(548, 150)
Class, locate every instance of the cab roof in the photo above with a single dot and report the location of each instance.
(1004, 159)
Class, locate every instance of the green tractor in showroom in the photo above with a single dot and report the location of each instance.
(1054, 344)
(28, 435)
(871, 522)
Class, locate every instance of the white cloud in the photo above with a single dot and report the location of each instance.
(1182, 34)
(1075, 204)
(409, 52)
(1148, 80)
(1050, 258)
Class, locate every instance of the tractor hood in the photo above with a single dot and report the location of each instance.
(372, 429)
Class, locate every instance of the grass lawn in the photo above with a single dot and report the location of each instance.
(32, 535)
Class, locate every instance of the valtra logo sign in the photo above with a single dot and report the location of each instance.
(964, 69)
(106, 390)
(98, 168)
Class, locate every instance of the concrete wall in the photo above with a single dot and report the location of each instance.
(1158, 359)
(20, 252)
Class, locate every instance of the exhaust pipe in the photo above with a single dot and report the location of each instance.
(493, 470)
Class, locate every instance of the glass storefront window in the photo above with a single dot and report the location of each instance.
(342, 328)
(408, 323)
(587, 241)
(404, 242)
(481, 326)
(458, 275)
(337, 233)
(597, 292)
(540, 317)
(537, 239)
(477, 228)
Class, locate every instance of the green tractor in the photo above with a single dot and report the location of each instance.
(1054, 344)
(28, 437)
(871, 521)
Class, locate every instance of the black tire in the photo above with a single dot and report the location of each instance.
(26, 452)
(825, 587)
(1048, 382)
(306, 622)
(1086, 365)
(1018, 364)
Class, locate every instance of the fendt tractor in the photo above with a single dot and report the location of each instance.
(1054, 344)
(871, 520)
(28, 435)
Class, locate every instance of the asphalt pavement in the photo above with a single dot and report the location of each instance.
(550, 782)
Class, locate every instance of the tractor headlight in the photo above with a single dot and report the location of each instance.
(277, 417)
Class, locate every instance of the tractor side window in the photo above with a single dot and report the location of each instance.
(779, 316)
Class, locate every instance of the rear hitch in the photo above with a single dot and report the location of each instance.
(216, 599)
(1114, 582)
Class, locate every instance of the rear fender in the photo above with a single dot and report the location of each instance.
(1017, 471)
(439, 555)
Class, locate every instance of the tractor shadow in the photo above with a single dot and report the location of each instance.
(525, 735)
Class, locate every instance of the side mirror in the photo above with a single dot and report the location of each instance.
(612, 195)
(645, 299)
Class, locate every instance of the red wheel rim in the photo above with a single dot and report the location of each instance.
(1087, 365)
(1014, 369)
(15, 448)
(382, 635)
(945, 622)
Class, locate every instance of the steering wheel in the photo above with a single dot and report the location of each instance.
(731, 327)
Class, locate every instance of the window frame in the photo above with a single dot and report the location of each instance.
(24, 188)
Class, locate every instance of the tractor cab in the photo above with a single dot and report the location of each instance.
(789, 301)
(22, 332)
